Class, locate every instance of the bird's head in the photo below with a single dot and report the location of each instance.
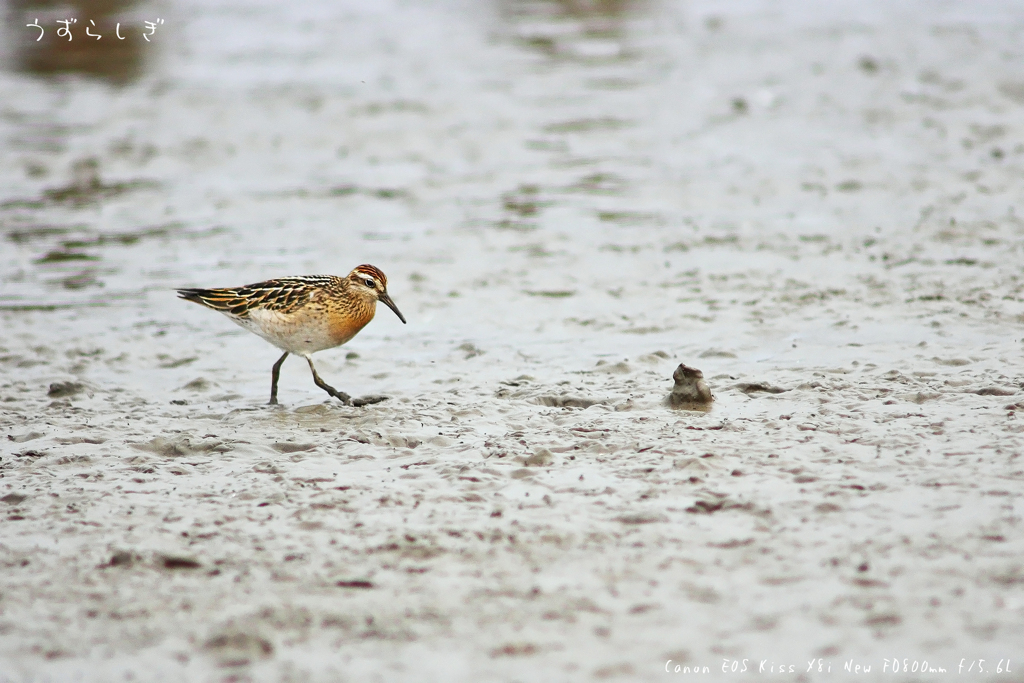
(370, 282)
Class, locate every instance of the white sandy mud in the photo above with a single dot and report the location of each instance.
(821, 208)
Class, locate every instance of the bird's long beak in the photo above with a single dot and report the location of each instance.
(386, 300)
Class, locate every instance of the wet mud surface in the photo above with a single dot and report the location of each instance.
(817, 209)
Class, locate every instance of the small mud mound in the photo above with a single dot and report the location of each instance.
(690, 392)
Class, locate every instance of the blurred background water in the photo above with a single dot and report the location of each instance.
(524, 150)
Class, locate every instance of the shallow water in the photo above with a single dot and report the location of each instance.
(818, 207)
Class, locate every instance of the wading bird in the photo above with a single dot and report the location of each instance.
(304, 314)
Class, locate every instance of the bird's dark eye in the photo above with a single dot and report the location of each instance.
(369, 283)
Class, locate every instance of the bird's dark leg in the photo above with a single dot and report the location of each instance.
(340, 395)
(274, 374)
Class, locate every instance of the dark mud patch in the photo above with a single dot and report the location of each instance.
(567, 401)
(178, 562)
(64, 389)
(749, 388)
(238, 648)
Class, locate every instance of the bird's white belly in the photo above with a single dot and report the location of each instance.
(301, 335)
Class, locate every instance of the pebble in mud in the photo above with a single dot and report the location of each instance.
(690, 392)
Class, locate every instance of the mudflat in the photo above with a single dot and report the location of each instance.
(817, 207)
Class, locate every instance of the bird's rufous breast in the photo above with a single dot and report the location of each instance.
(346, 324)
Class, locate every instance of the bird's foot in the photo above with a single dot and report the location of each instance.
(340, 395)
(368, 400)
